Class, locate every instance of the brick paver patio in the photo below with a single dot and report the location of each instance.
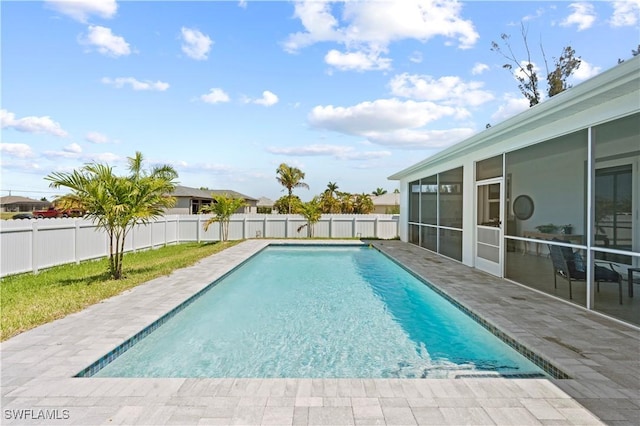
(600, 355)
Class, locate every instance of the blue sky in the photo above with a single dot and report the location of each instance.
(349, 92)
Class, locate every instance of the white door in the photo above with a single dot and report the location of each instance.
(489, 226)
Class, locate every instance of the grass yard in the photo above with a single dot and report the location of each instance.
(30, 300)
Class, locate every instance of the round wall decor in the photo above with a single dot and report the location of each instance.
(523, 207)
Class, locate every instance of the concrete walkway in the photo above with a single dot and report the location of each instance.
(600, 355)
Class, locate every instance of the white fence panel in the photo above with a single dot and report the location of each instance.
(276, 227)
(91, 242)
(342, 227)
(28, 245)
(187, 230)
(16, 246)
(55, 244)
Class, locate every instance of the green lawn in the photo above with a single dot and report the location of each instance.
(30, 300)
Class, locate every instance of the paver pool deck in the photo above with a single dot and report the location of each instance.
(601, 357)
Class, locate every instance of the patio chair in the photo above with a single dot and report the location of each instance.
(570, 266)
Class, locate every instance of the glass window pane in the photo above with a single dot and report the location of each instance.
(530, 264)
(414, 201)
(489, 168)
(451, 243)
(429, 200)
(451, 198)
(430, 238)
(617, 188)
(554, 176)
(414, 234)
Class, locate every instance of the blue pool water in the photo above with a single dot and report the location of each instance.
(327, 312)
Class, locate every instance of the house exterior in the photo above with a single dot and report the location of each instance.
(388, 203)
(14, 203)
(191, 200)
(565, 172)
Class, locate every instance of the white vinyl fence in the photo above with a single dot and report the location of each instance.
(30, 245)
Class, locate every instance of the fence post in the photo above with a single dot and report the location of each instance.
(34, 244)
(286, 227)
(375, 227)
(133, 236)
(244, 227)
(264, 227)
(331, 226)
(353, 230)
(198, 229)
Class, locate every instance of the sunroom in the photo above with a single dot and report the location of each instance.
(557, 183)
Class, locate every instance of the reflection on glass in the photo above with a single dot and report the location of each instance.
(429, 200)
(414, 201)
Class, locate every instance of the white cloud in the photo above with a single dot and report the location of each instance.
(382, 115)
(242, 4)
(268, 99)
(625, 13)
(420, 139)
(81, 10)
(105, 41)
(585, 71)
(195, 44)
(135, 84)
(357, 61)
(512, 105)
(380, 23)
(335, 151)
(31, 124)
(450, 90)
(215, 96)
(95, 137)
(73, 148)
(368, 28)
(583, 16)
(479, 68)
(18, 150)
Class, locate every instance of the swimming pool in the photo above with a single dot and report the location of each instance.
(331, 312)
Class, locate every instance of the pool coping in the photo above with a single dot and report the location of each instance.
(38, 365)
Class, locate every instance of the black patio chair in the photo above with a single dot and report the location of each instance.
(570, 266)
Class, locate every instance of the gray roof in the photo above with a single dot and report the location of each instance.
(15, 199)
(388, 199)
(264, 202)
(185, 191)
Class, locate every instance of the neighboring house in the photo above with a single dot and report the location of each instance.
(388, 203)
(265, 205)
(13, 203)
(567, 168)
(191, 200)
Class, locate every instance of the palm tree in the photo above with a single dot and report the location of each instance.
(312, 212)
(362, 204)
(379, 191)
(117, 203)
(290, 177)
(329, 203)
(223, 207)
